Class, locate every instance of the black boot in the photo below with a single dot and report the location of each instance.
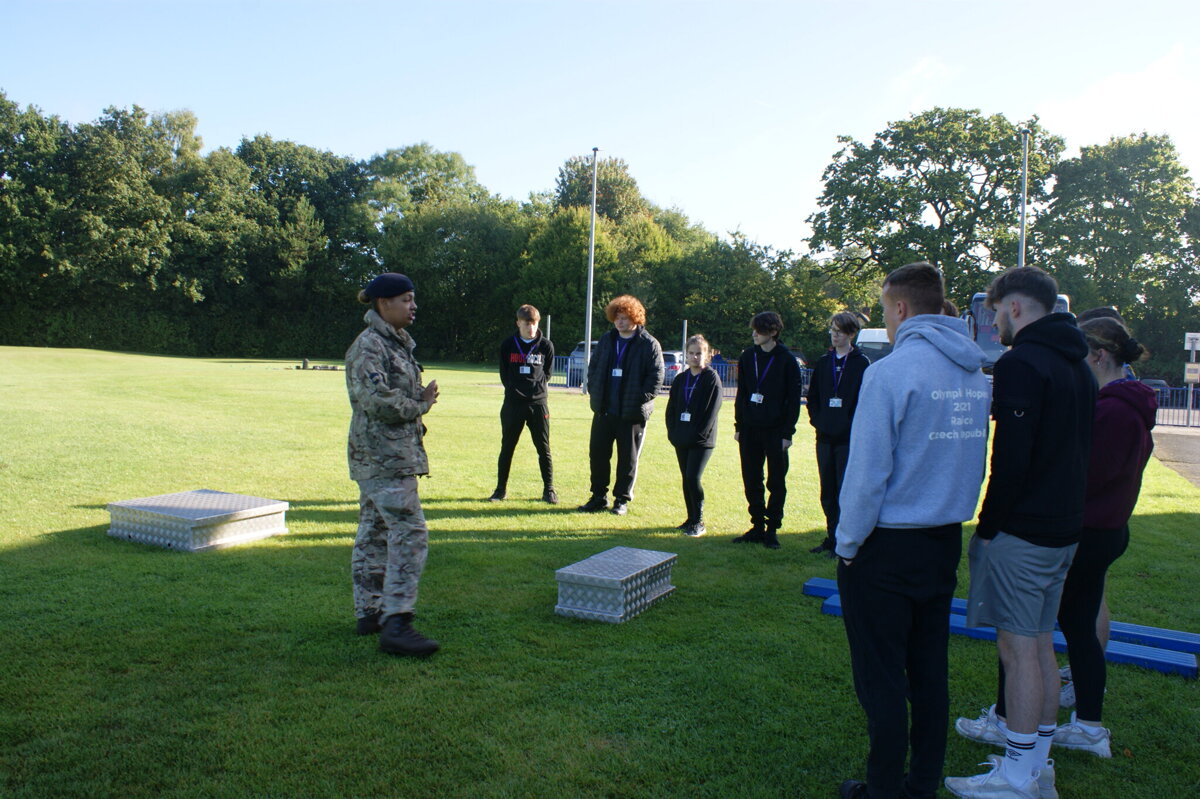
(399, 638)
(368, 624)
(769, 539)
(754, 535)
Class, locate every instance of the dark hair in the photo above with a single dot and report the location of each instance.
(767, 323)
(630, 306)
(1027, 280)
(847, 322)
(1106, 333)
(527, 313)
(949, 308)
(919, 284)
(1103, 312)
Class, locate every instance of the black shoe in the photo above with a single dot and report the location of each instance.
(696, 530)
(498, 495)
(369, 624)
(685, 525)
(770, 540)
(819, 548)
(550, 496)
(752, 536)
(399, 638)
(594, 505)
(619, 508)
(853, 789)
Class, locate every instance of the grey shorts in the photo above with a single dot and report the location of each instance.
(1016, 585)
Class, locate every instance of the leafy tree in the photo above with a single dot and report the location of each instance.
(942, 186)
(617, 193)
(416, 175)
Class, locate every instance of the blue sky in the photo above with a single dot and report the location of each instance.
(729, 111)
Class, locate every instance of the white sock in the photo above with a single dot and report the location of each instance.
(1041, 752)
(1020, 758)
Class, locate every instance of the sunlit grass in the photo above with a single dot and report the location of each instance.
(130, 671)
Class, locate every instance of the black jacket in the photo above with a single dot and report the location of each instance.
(834, 423)
(538, 355)
(642, 374)
(776, 376)
(1043, 400)
(701, 429)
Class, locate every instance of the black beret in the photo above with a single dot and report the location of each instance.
(389, 284)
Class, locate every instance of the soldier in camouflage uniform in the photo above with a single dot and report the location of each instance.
(386, 456)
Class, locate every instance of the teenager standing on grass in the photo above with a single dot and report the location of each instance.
(766, 408)
(387, 454)
(526, 363)
(624, 376)
(832, 400)
(692, 411)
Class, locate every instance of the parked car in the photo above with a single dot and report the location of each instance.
(674, 362)
(577, 364)
(873, 341)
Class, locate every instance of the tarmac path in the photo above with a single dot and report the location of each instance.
(1179, 448)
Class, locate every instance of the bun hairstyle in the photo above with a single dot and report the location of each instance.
(363, 298)
(1106, 333)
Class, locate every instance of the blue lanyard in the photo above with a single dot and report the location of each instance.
(763, 376)
(837, 370)
(622, 345)
(689, 387)
(524, 354)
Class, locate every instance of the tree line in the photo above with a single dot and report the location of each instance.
(120, 234)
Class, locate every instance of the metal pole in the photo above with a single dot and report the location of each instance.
(587, 325)
(684, 345)
(1024, 191)
(546, 332)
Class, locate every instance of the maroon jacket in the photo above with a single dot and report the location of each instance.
(1121, 446)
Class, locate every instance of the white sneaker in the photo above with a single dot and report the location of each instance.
(1064, 674)
(1066, 695)
(985, 729)
(993, 784)
(1074, 736)
(1045, 781)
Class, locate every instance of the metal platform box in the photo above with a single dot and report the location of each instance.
(196, 520)
(614, 585)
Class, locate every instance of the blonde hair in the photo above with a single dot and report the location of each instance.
(705, 348)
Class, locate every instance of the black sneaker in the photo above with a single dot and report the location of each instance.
(771, 541)
(853, 789)
(819, 548)
(550, 496)
(594, 505)
(368, 624)
(399, 638)
(498, 495)
(752, 536)
(696, 530)
(685, 525)
(619, 508)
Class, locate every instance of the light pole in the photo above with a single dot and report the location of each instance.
(587, 325)
(1024, 191)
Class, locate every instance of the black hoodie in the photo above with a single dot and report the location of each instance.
(1043, 399)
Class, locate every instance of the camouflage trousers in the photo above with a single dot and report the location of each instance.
(390, 548)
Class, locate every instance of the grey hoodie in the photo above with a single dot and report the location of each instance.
(918, 448)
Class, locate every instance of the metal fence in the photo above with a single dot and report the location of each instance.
(1179, 407)
(570, 375)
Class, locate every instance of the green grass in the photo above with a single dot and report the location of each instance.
(130, 671)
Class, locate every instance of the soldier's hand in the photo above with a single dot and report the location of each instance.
(430, 394)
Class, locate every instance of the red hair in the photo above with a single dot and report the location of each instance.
(630, 306)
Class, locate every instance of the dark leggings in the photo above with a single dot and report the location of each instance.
(1082, 594)
(692, 461)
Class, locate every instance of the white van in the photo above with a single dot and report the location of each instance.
(873, 341)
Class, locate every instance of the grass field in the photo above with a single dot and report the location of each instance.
(130, 671)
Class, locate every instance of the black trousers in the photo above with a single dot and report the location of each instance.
(692, 461)
(831, 469)
(758, 446)
(515, 416)
(895, 601)
(606, 431)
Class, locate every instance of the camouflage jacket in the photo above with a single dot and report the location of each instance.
(384, 382)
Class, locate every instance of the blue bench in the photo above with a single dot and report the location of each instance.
(1165, 660)
(1175, 640)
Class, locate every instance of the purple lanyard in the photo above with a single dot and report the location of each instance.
(524, 354)
(689, 387)
(763, 376)
(837, 370)
(622, 344)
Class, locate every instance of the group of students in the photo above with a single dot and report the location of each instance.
(901, 453)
